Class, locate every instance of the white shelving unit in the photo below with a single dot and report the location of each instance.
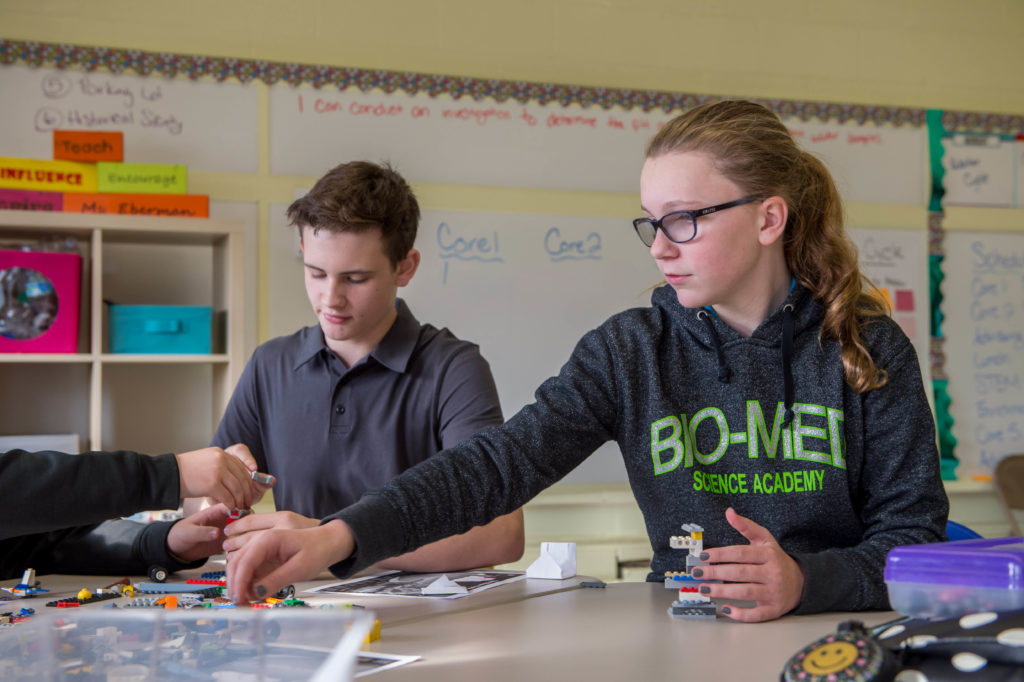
(136, 260)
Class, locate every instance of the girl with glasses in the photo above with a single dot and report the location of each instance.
(765, 395)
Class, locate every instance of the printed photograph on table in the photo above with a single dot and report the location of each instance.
(405, 584)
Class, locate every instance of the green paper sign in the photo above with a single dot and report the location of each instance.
(142, 178)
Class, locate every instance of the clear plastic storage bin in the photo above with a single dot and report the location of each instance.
(196, 644)
(948, 579)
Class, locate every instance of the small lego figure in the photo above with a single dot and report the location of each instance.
(691, 603)
(236, 514)
(28, 585)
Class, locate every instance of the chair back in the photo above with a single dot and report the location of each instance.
(958, 531)
(1009, 482)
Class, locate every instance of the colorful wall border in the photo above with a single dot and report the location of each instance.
(143, 63)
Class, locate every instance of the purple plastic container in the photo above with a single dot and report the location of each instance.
(948, 579)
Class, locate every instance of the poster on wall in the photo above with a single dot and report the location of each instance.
(207, 126)
(896, 261)
(984, 330)
(980, 170)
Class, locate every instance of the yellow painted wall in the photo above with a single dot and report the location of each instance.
(919, 53)
(944, 54)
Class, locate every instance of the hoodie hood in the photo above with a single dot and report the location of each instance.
(807, 315)
(706, 329)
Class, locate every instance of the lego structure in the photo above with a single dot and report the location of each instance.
(691, 603)
(28, 586)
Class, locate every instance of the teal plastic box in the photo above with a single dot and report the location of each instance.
(174, 329)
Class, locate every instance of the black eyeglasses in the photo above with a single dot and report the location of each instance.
(681, 226)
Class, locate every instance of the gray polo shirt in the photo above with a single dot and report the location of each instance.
(329, 433)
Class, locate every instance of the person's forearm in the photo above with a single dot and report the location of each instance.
(51, 490)
(499, 542)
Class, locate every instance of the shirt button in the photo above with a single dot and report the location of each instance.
(340, 409)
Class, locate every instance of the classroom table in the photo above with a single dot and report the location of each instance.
(620, 632)
(555, 629)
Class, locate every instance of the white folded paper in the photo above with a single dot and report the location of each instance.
(444, 586)
(557, 561)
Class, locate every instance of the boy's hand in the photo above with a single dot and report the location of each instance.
(242, 530)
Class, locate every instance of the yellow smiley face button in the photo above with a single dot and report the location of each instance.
(840, 657)
(830, 657)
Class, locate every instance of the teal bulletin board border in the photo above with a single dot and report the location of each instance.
(144, 63)
(936, 254)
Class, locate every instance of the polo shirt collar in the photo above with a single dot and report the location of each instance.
(397, 346)
(393, 351)
(311, 342)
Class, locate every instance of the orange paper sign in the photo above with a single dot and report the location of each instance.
(82, 145)
(182, 205)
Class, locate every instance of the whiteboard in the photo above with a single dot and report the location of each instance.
(288, 308)
(871, 164)
(208, 126)
(1019, 168)
(524, 287)
(980, 170)
(897, 262)
(527, 287)
(984, 330)
(442, 140)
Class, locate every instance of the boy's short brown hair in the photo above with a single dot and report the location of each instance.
(359, 196)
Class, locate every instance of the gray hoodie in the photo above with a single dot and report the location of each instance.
(705, 419)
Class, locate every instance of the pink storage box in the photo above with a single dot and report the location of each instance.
(64, 273)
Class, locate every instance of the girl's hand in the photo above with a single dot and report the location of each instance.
(272, 559)
(760, 572)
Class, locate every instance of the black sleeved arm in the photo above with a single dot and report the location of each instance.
(45, 491)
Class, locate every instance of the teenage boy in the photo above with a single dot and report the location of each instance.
(340, 408)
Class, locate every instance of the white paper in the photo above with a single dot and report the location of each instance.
(404, 584)
(557, 561)
(444, 586)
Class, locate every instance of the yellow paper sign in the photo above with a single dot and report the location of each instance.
(47, 176)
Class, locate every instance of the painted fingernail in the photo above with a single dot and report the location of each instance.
(261, 591)
(704, 556)
(698, 573)
(704, 589)
(726, 609)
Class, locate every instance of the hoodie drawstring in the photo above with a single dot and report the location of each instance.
(723, 369)
(787, 362)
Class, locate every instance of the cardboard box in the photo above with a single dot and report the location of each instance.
(39, 301)
(173, 329)
(949, 579)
